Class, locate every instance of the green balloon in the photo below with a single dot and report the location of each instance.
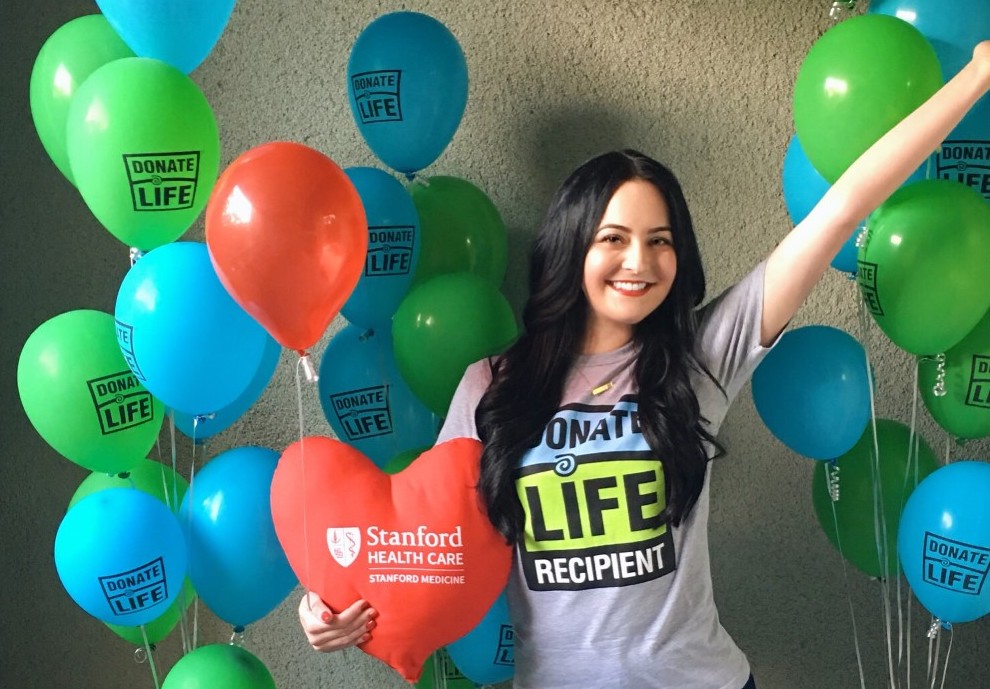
(854, 511)
(863, 76)
(964, 409)
(923, 264)
(147, 476)
(68, 57)
(460, 231)
(402, 460)
(144, 150)
(82, 398)
(162, 626)
(219, 666)
(444, 325)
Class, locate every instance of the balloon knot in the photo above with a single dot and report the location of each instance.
(939, 388)
(832, 479)
(841, 9)
(307, 367)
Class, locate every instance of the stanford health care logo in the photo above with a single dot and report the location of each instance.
(344, 544)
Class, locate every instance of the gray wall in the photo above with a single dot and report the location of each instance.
(704, 85)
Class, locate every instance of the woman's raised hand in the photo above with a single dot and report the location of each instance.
(328, 631)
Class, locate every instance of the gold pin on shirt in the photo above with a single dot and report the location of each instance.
(604, 387)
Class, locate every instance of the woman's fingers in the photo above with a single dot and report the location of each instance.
(328, 631)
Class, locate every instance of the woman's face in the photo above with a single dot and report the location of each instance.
(630, 266)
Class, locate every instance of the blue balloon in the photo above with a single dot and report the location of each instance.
(179, 32)
(804, 187)
(121, 556)
(486, 654)
(954, 28)
(365, 400)
(944, 541)
(182, 335)
(964, 156)
(393, 248)
(203, 427)
(812, 391)
(236, 563)
(407, 84)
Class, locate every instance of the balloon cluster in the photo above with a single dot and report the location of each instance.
(122, 121)
(292, 239)
(918, 264)
(426, 303)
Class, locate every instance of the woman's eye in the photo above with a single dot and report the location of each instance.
(612, 239)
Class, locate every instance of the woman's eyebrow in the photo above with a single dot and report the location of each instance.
(617, 226)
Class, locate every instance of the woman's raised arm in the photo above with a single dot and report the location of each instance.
(803, 256)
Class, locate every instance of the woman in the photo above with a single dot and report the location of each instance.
(599, 422)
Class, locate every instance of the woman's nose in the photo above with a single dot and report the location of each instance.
(633, 257)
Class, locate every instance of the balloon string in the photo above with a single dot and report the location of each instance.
(903, 650)
(879, 517)
(151, 657)
(300, 365)
(833, 492)
(191, 497)
(183, 627)
(438, 679)
(945, 663)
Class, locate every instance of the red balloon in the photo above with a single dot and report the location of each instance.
(416, 545)
(288, 237)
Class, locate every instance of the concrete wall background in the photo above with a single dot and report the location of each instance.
(703, 85)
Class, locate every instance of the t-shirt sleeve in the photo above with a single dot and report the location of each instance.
(729, 332)
(460, 415)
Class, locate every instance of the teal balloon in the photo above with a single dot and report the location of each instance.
(121, 556)
(203, 427)
(486, 654)
(366, 401)
(236, 563)
(442, 327)
(944, 541)
(179, 32)
(393, 248)
(812, 391)
(182, 334)
(953, 29)
(407, 84)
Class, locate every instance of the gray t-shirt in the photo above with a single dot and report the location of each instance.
(601, 593)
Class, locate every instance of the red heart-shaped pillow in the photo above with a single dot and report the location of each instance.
(417, 545)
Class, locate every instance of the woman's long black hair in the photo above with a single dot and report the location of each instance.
(528, 380)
